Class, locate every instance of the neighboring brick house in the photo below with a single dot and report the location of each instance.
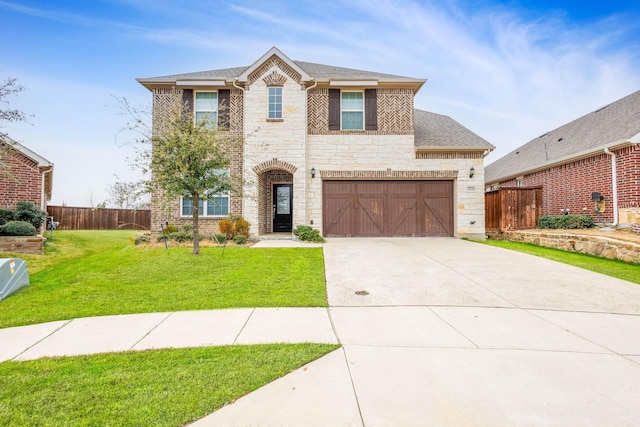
(341, 150)
(25, 176)
(597, 153)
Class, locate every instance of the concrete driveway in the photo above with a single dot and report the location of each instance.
(453, 272)
(456, 333)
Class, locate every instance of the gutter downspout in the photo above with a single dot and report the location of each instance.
(306, 152)
(614, 185)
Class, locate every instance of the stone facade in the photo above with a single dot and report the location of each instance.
(23, 245)
(586, 244)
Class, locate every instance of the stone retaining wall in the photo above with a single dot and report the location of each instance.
(587, 244)
(24, 245)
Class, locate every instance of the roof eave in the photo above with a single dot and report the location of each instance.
(569, 159)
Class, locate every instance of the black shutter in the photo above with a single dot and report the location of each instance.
(334, 109)
(224, 106)
(371, 109)
(187, 100)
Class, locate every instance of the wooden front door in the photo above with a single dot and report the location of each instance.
(282, 207)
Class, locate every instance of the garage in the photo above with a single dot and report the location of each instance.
(387, 208)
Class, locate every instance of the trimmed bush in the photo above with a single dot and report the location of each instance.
(235, 225)
(6, 215)
(28, 212)
(170, 229)
(221, 238)
(143, 238)
(307, 234)
(239, 239)
(17, 228)
(571, 222)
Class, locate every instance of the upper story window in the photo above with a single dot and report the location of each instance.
(352, 110)
(206, 107)
(274, 102)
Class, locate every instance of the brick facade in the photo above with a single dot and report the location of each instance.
(24, 182)
(569, 186)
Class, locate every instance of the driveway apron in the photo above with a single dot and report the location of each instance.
(454, 272)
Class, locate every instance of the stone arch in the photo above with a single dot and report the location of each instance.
(274, 164)
(269, 173)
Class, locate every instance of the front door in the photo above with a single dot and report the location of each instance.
(282, 207)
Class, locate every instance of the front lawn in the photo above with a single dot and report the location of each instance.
(92, 273)
(610, 267)
(151, 388)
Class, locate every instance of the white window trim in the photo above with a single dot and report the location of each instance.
(342, 110)
(277, 119)
(204, 214)
(195, 103)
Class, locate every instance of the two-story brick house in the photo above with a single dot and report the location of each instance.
(339, 149)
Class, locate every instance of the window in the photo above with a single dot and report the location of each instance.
(275, 102)
(206, 107)
(352, 108)
(214, 205)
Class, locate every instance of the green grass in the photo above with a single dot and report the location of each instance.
(152, 388)
(92, 273)
(610, 267)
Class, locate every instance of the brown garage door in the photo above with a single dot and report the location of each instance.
(387, 208)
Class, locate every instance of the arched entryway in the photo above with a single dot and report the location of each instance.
(275, 196)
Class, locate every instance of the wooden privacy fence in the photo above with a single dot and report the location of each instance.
(70, 218)
(513, 208)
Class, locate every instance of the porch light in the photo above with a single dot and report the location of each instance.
(472, 172)
(313, 172)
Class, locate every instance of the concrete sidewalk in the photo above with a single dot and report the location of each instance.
(414, 365)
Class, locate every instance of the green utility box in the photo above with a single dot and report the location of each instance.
(13, 276)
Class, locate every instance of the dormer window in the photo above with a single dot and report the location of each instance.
(206, 107)
(274, 94)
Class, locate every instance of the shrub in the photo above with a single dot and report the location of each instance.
(220, 238)
(28, 212)
(241, 227)
(307, 234)
(239, 239)
(143, 238)
(566, 221)
(226, 227)
(235, 225)
(6, 215)
(170, 228)
(187, 227)
(17, 228)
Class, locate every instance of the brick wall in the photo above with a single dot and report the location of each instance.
(25, 182)
(569, 186)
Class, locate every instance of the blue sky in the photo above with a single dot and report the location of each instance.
(509, 71)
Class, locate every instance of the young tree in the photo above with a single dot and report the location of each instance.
(184, 157)
(129, 195)
(8, 87)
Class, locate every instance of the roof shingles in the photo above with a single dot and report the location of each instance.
(613, 123)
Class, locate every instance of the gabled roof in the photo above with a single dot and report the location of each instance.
(41, 161)
(437, 132)
(614, 125)
(309, 71)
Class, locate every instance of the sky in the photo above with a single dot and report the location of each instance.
(507, 70)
